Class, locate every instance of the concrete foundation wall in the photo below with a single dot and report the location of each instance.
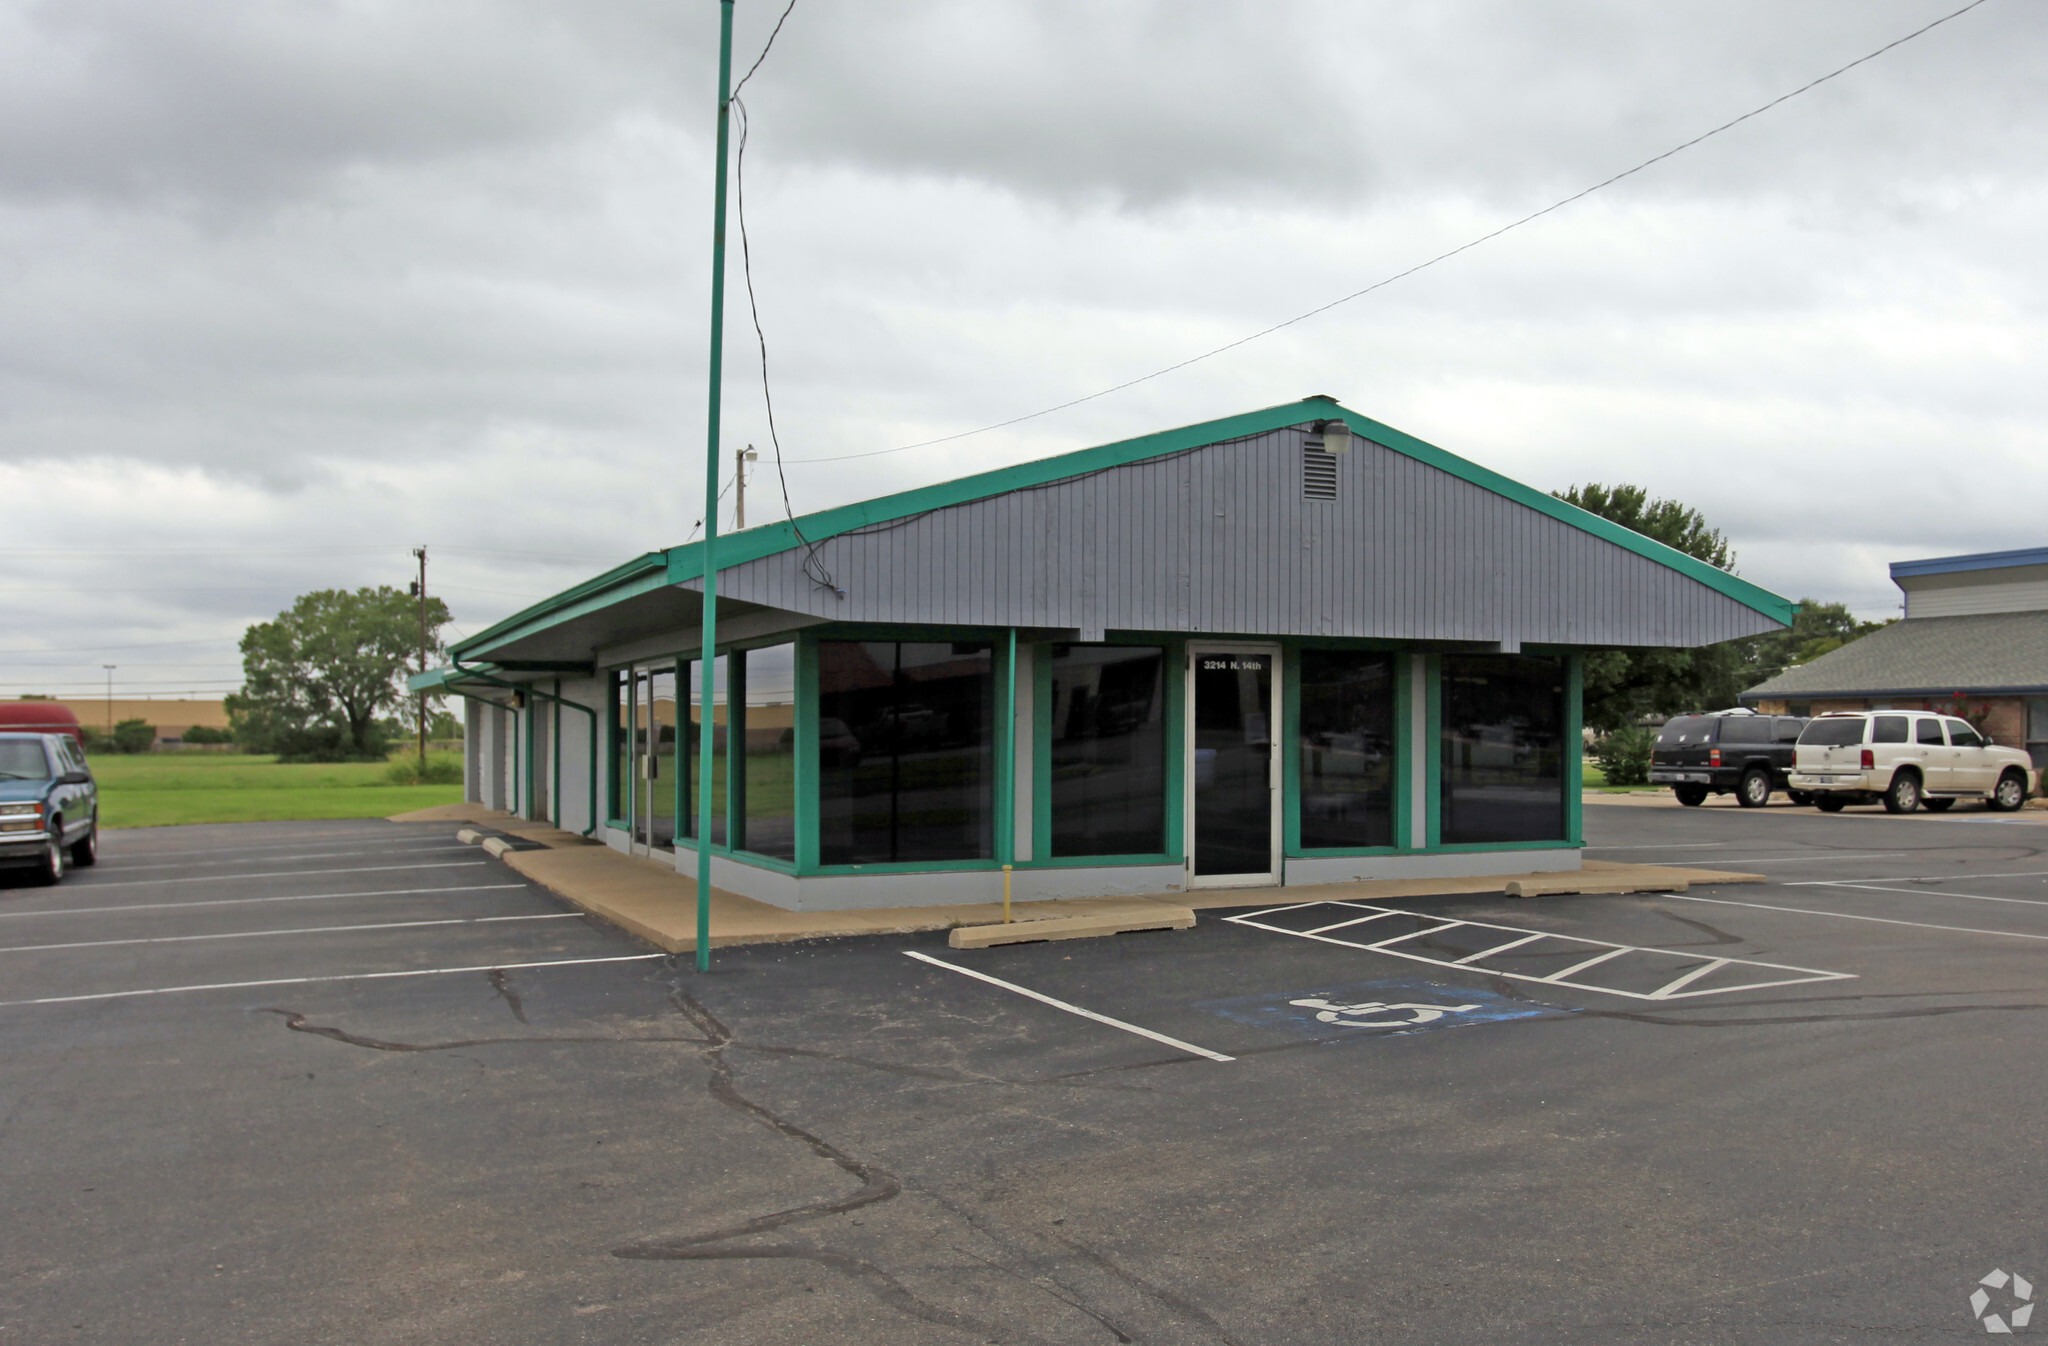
(1441, 865)
(854, 892)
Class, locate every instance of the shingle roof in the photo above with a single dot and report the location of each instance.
(1984, 652)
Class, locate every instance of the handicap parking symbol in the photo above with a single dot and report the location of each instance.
(1375, 1009)
(1377, 1014)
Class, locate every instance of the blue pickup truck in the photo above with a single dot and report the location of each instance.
(49, 806)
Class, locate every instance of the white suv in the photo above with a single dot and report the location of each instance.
(1907, 759)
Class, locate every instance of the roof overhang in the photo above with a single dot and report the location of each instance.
(1989, 560)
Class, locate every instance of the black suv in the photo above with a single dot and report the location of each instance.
(1739, 750)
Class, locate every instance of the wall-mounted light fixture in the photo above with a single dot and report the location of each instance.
(1336, 436)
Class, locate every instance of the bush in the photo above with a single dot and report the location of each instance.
(134, 736)
(319, 743)
(441, 770)
(1624, 755)
(204, 736)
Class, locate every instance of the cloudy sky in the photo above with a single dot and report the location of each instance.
(288, 287)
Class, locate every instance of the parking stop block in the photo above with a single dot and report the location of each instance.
(1090, 926)
(1566, 885)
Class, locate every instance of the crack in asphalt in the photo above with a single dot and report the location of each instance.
(502, 984)
(876, 1183)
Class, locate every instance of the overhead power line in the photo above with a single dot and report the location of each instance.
(1467, 246)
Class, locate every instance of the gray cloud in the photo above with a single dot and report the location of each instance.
(308, 284)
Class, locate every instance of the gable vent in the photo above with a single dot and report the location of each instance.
(1318, 472)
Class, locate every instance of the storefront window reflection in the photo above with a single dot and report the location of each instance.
(1108, 729)
(1503, 748)
(1347, 749)
(905, 751)
(765, 782)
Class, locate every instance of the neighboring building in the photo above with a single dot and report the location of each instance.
(1292, 646)
(40, 717)
(170, 718)
(1974, 642)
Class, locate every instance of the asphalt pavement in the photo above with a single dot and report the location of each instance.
(356, 1082)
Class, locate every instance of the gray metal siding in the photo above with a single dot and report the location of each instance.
(1220, 540)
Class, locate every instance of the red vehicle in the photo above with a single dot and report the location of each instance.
(40, 717)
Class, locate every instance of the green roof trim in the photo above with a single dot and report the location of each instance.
(438, 679)
(637, 576)
(679, 565)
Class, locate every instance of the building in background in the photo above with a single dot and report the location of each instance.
(1974, 643)
(171, 719)
(1292, 646)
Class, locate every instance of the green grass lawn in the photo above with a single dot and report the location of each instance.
(165, 789)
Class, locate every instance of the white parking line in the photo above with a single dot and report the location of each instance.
(124, 867)
(1673, 989)
(280, 874)
(307, 930)
(1932, 878)
(1850, 916)
(377, 841)
(1666, 846)
(247, 901)
(1929, 892)
(1805, 859)
(338, 976)
(1175, 1043)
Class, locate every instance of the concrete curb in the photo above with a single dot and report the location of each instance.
(1070, 927)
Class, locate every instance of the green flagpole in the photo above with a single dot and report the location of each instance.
(706, 728)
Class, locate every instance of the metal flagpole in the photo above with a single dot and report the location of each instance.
(705, 728)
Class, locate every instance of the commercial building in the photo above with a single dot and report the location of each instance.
(170, 718)
(1291, 646)
(1973, 642)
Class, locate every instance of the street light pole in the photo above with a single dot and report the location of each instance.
(740, 459)
(421, 589)
(709, 653)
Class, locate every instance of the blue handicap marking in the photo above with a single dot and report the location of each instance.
(1375, 1009)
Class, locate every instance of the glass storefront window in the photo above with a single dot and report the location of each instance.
(1502, 745)
(1347, 749)
(765, 781)
(659, 685)
(1107, 714)
(906, 750)
(686, 794)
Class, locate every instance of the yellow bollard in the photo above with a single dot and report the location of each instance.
(1006, 894)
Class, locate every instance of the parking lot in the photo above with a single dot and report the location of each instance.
(355, 1082)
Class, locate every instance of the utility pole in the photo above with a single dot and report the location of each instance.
(740, 459)
(705, 778)
(110, 698)
(419, 589)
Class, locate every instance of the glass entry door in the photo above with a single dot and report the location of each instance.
(651, 737)
(1234, 766)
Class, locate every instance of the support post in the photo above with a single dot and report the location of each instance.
(1006, 771)
(711, 455)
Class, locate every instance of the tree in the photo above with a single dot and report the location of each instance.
(315, 680)
(1818, 629)
(1624, 685)
(134, 736)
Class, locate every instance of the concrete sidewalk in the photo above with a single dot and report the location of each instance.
(651, 900)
